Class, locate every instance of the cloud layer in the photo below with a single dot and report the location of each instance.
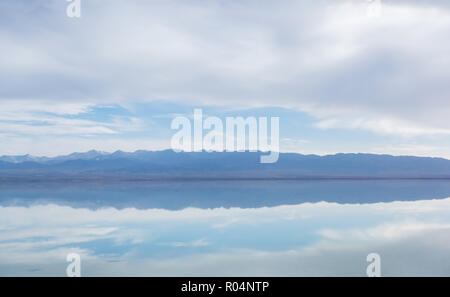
(388, 74)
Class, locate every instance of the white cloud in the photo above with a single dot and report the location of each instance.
(63, 144)
(195, 243)
(385, 75)
(23, 122)
(383, 126)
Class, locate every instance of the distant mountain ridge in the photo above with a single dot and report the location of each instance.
(74, 156)
(168, 164)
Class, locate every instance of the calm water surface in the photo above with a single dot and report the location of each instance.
(222, 228)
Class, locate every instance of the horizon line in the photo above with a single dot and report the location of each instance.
(204, 151)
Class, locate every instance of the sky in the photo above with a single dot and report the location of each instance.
(343, 76)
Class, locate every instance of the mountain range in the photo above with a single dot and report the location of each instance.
(168, 164)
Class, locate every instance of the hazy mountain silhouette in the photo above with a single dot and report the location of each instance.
(168, 164)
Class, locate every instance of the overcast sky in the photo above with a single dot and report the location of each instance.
(341, 77)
